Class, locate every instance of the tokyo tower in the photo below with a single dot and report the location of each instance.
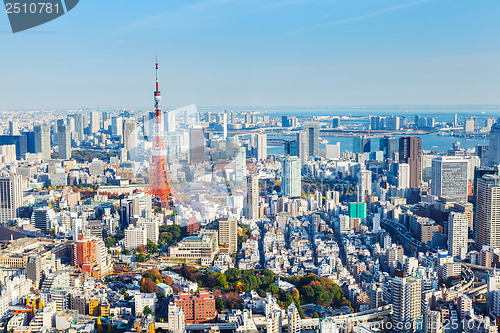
(159, 184)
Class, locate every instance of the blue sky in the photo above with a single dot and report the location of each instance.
(256, 52)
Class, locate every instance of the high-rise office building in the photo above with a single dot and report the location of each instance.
(376, 123)
(228, 233)
(196, 145)
(284, 121)
(169, 120)
(392, 123)
(30, 141)
(291, 177)
(335, 122)
(42, 140)
(458, 231)
(20, 141)
(365, 184)
(449, 178)
(332, 151)
(487, 219)
(130, 144)
(361, 144)
(406, 301)
(64, 141)
(389, 146)
(95, 121)
(13, 128)
(117, 126)
(252, 198)
(224, 124)
(469, 125)
(403, 175)
(240, 164)
(11, 198)
(260, 146)
(41, 218)
(410, 152)
(79, 126)
(312, 132)
(302, 144)
(494, 149)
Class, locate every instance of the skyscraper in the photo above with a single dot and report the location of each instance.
(494, 148)
(130, 138)
(11, 198)
(487, 217)
(361, 144)
(13, 128)
(95, 121)
(302, 144)
(291, 177)
(170, 123)
(240, 164)
(79, 126)
(196, 145)
(42, 140)
(449, 178)
(410, 151)
(117, 126)
(312, 132)
(365, 184)
(284, 121)
(406, 301)
(261, 146)
(458, 230)
(228, 233)
(403, 175)
(251, 211)
(20, 141)
(389, 146)
(64, 141)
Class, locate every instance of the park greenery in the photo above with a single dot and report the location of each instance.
(169, 234)
(310, 289)
(87, 155)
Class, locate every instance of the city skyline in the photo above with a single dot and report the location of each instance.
(257, 53)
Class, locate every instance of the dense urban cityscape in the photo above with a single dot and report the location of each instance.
(215, 220)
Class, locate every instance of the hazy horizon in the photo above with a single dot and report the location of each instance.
(256, 52)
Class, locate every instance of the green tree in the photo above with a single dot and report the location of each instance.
(221, 281)
(110, 242)
(152, 247)
(221, 304)
(147, 311)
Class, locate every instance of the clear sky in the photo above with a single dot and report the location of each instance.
(256, 52)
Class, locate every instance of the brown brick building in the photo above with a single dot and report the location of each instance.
(197, 309)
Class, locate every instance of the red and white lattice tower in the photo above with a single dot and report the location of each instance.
(159, 184)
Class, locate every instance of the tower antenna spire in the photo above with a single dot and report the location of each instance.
(159, 183)
(157, 74)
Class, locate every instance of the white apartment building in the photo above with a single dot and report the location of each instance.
(135, 237)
